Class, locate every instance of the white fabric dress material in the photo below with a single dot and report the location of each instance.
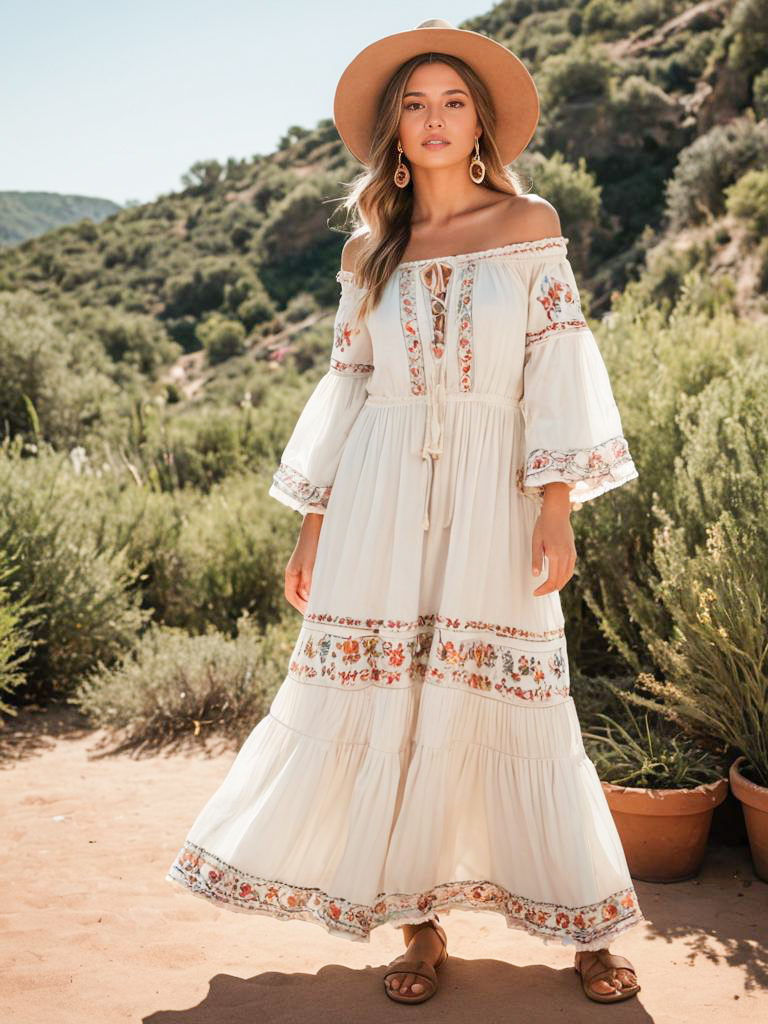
(423, 751)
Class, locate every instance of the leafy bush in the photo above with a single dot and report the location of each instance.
(748, 201)
(15, 638)
(715, 661)
(172, 685)
(51, 383)
(67, 564)
(712, 162)
(208, 558)
(760, 94)
(222, 339)
(655, 358)
(702, 609)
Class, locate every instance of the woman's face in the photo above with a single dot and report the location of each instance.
(437, 104)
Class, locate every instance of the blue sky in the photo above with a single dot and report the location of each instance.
(117, 100)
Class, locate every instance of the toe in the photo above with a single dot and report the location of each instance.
(626, 977)
(603, 987)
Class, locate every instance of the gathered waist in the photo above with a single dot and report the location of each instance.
(435, 401)
(483, 397)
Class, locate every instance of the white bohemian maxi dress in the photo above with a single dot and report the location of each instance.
(423, 752)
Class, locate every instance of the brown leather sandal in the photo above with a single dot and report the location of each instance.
(423, 970)
(602, 966)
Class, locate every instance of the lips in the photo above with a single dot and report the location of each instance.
(435, 142)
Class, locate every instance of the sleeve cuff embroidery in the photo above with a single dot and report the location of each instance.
(303, 494)
(589, 472)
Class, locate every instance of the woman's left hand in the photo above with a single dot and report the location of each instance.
(553, 537)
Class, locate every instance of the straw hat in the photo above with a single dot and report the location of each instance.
(360, 88)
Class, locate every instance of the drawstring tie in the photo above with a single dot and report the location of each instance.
(435, 276)
(433, 439)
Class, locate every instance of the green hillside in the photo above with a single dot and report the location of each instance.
(27, 214)
(649, 111)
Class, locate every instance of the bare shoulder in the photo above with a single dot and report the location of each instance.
(349, 253)
(529, 217)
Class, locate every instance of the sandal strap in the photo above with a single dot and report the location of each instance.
(603, 965)
(441, 933)
(421, 968)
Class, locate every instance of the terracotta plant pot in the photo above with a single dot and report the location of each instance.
(754, 803)
(664, 831)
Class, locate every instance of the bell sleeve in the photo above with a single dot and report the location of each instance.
(573, 429)
(308, 464)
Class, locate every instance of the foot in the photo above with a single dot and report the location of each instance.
(425, 944)
(618, 981)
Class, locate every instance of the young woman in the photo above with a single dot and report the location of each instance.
(423, 751)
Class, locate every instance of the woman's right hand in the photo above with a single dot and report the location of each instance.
(298, 572)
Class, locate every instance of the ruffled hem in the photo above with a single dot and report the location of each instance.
(589, 927)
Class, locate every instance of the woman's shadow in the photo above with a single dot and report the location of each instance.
(476, 991)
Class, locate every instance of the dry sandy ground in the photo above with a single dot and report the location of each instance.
(91, 932)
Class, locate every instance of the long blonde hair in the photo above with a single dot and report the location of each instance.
(378, 209)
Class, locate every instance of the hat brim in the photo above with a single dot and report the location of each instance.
(513, 92)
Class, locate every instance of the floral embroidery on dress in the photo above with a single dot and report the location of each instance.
(291, 482)
(594, 925)
(562, 306)
(350, 368)
(410, 328)
(532, 337)
(350, 660)
(358, 660)
(505, 669)
(342, 335)
(465, 327)
(473, 625)
(575, 464)
(558, 298)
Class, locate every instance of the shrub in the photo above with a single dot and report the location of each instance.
(714, 160)
(748, 201)
(222, 339)
(67, 562)
(655, 359)
(760, 94)
(172, 685)
(51, 381)
(702, 611)
(15, 638)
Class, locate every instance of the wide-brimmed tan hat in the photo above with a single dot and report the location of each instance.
(360, 88)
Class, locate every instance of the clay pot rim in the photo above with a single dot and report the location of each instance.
(647, 800)
(744, 789)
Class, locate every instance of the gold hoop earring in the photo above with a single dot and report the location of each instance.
(402, 174)
(476, 165)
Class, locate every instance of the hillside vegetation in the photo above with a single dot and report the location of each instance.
(26, 214)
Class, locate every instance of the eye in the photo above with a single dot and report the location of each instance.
(415, 103)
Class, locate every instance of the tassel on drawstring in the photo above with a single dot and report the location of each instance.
(433, 440)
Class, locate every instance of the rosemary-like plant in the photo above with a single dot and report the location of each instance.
(642, 754)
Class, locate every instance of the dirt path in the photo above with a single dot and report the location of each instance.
(91, 932)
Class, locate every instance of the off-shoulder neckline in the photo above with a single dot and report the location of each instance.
(533, 247)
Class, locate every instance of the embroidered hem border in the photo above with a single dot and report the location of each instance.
(592, 926)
